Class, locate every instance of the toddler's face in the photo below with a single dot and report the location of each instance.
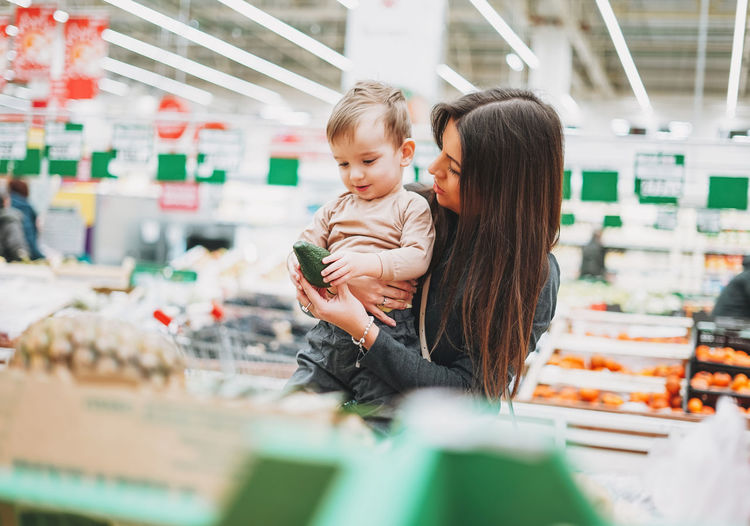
(369, 164)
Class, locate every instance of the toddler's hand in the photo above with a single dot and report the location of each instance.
(343, 266)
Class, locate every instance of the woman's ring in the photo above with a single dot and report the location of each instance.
(307, 309)
(385, 300)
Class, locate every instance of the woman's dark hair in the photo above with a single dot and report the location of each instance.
(510, 198)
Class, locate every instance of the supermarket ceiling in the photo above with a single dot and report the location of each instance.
(662, 36)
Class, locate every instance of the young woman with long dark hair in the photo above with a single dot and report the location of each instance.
(493, 282)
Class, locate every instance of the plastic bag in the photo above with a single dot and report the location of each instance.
(703, 477)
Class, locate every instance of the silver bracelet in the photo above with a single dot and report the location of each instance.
(359, 343)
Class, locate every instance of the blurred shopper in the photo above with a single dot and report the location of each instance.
(592, 258)
(734, 299)
(19, 198)
(13, 246)
(376, 228)
(493, 282)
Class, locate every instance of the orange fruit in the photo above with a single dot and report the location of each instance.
(612, 365)
(543, 391)
(659, 403)
(675, 402)
(587, 394)
(648, 371)
(708, 410)
(611, 399)
(673, 384)
(721, 379)
(639, 397)
(598, 361)
(661, 370)
(702, 352)
(699, 383)
(695, 405)
(569, 394)
(554, 359)
(739, 381)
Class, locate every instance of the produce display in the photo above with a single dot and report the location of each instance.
(598, 362)
(668, 400)
(92, 347)
(720, 365)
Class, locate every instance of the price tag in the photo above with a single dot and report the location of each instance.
(659, 177)
(134, 143)
(220, 150)
(708, 221)
(13, 138)
(64, 141)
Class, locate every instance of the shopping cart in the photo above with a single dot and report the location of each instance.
(247, 345)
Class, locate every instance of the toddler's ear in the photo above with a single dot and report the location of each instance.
(407, 152)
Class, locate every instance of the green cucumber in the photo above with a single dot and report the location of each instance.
(310, 261)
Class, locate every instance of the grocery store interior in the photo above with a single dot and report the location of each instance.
(160, 158)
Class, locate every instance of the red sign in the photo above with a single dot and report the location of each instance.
(84, 51)
(35, 42)
(179, 196)
(4, 48)
(171, 106)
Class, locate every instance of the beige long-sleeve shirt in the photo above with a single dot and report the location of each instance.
(397, 227)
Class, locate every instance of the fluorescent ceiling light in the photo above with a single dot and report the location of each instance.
(506, 32)
(734, 68)
(350, 4)
(455, 80)
(61, 16)
(620, 126)
(624, 53)
(11, 30)
(114, 87)
(231, 52)
(291, 34)
(514, 61)
(21, 3)
(15, 103)
(158, 81)
(192, 68)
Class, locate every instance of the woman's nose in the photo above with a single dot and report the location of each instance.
(434, 167)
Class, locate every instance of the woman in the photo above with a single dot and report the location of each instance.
(493, 286)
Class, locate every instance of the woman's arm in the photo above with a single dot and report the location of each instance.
(402, 367)
(405, 368)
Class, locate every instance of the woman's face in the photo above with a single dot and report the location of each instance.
(446, 169)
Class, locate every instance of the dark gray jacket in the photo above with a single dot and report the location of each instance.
(452, 365)
(13, 246)
(734, 299)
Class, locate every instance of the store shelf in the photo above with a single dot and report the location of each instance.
(592, 344)
(630, 319)
(602, 380)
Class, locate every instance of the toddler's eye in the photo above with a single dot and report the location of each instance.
(368, 161)
(343, 165)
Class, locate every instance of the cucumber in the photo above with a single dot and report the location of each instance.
(310, 261)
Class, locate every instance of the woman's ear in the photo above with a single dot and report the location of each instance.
(407, 152)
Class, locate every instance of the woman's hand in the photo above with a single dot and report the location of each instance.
(373, 294)
(343, 310)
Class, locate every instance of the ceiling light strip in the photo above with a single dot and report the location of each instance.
(624, 53)
(510, 36)
(191, 67)
(454, 79)
(158, 81)
(113, 86)
(291, 34)
(733, 88)
(231, 52)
